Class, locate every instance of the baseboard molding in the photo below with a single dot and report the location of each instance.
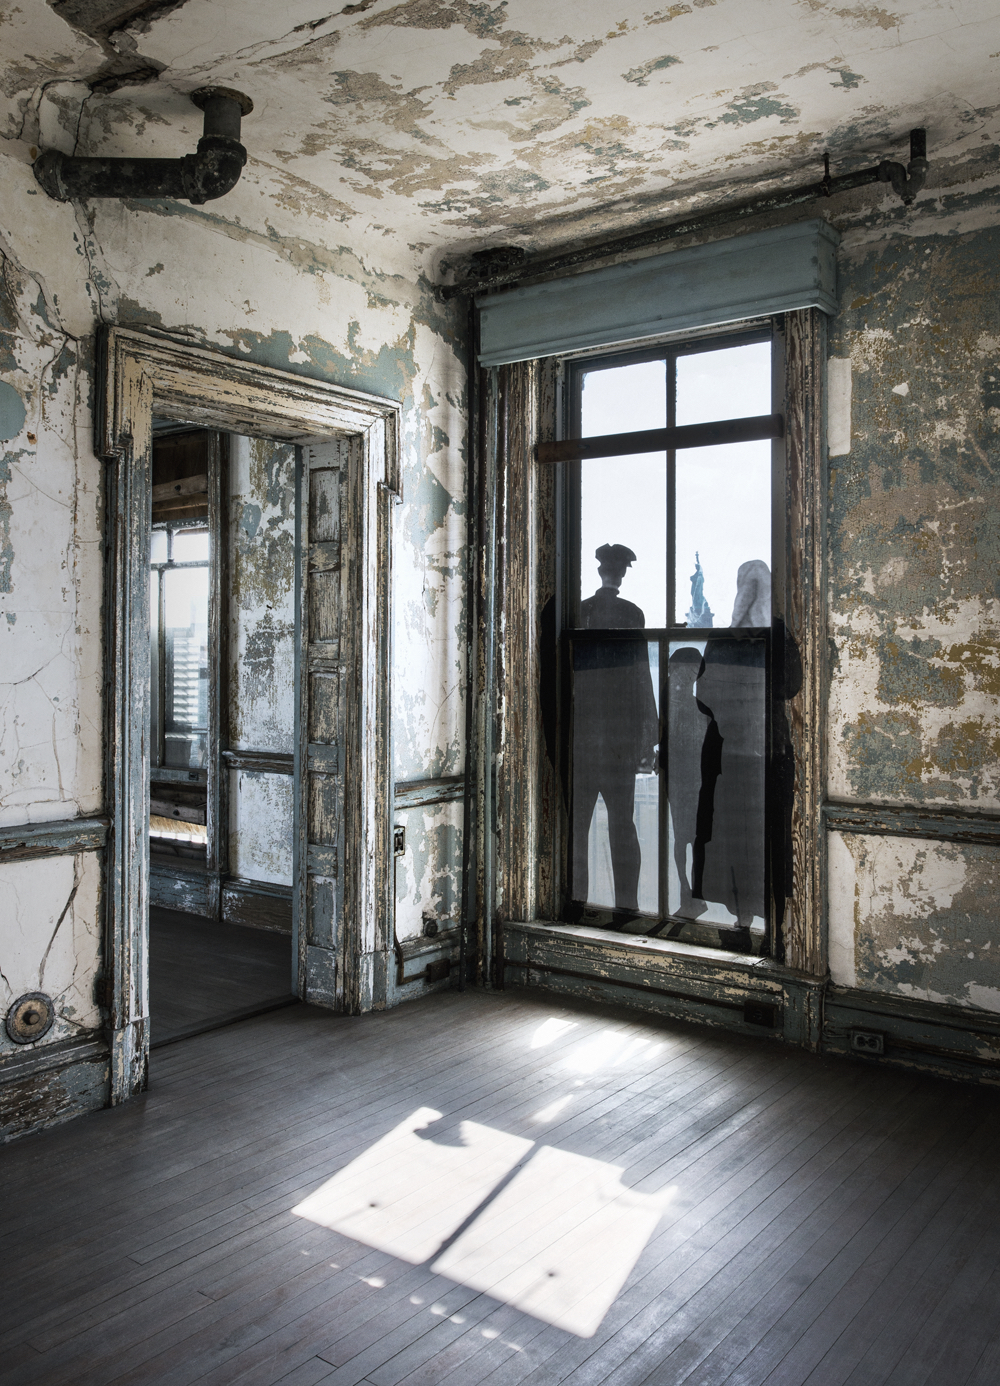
(419, 963)
(51, 1083)
(173, 888)
(257, 905)
(952, 1041)
(725, 990)
(678, 981)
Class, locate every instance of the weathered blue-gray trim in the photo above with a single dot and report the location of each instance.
(300, 735)
(58, 838)
(324, 760)
(322, 861)
(445, 789)
(904, 820)
(260, 762)
(758, 275)
(953, 1041)
(49, 1083)
(190, 891)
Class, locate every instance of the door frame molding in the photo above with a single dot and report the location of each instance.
(217, 392)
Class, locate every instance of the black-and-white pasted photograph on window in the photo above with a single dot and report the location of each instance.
(669, 626)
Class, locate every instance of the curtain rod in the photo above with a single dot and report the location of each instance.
(504, 265)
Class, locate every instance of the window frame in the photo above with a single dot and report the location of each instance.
(568, 476)
(519, 804)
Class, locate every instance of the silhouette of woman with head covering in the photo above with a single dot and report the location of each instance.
(615, 730)
(731, 804)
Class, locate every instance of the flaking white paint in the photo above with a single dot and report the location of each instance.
(50, 940)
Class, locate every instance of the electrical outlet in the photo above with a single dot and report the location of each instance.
(399, 841)
(867, 1042)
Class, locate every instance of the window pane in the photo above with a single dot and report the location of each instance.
(718, 831)
(732, 383)
(723, 535)
(623, 502)
(185, 600)
(615, 790)
(190, 546)
(624, 399)
(158, 546)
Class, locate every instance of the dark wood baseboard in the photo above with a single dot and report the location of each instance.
(257, 905)
(726, 991)
(45, 1084)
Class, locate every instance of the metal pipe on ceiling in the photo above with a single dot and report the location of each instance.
(210, 173)
(502, 266)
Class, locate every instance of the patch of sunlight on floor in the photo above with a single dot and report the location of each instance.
(554, 1109)
(550, 1030)
(556, 1237)
(414, 1188)
(558, 1242)
(608, 1049)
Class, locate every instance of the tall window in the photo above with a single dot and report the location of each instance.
(668, 629)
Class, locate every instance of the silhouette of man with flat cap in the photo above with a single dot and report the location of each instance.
(615, 729)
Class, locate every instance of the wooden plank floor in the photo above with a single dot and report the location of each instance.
(203, 972)
(647, 1202)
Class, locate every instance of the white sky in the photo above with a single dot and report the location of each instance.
(723, 493)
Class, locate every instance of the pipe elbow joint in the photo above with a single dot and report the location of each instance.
(48, 169)
(210, 173)
(214, 170)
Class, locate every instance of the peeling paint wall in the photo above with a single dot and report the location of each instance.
(261, 588)
(916, 918)
(915, 519)
(914, 549)
(260, 826)
(286, 290)
(428, 874)
(389, 139)
(261, 712)
(50, 941)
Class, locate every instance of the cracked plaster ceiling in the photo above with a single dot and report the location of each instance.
(448, 124)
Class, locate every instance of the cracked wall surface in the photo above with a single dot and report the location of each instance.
(914, 596)
(428, 126)
(916, 919)
(389, 139)
(50, 941)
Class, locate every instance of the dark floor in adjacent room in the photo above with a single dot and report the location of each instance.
(203, 973)
(538, 1192)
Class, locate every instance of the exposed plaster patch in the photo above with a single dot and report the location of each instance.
(860, 16)
(640, 75)
(665, 16)
(920, 916)
(838, 406)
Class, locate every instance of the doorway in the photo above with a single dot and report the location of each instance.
(222, 608)
(346, 452)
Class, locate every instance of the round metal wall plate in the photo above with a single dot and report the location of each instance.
(30, 1017)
